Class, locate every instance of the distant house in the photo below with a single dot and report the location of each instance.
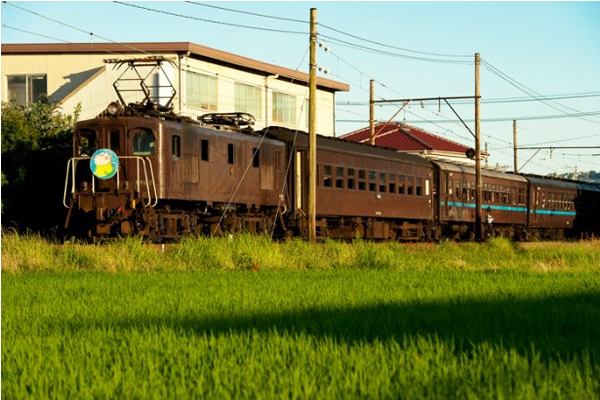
(409, 139)
(205, 80)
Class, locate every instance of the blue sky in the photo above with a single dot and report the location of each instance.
(547, 49)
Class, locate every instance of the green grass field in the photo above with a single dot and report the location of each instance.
(344, 321)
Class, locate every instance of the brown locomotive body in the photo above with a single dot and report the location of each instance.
(175, 178)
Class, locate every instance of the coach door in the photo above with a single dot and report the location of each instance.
(301, 181)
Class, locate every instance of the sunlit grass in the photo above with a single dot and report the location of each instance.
(245, 252)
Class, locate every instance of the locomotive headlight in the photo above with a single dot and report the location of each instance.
(113, 108)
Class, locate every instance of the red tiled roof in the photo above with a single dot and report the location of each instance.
(405, 137)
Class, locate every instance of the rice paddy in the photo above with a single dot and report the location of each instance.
(248, 318)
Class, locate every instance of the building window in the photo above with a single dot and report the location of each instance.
(284, 108)
(248, 99)
(201, 91)
(26, 88)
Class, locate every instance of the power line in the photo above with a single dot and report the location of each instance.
(495, 100)
(248, 13)
(391, 54)
(330, 28)
(504, 119)
(560, 107)
(74, 27)
(36, 34)
(210, 21)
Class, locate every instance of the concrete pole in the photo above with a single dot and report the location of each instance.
(515, 145)
(312, 131)
(372, 114)
(478, 185)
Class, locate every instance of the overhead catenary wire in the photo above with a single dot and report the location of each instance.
(286, 19)
(259, 28)
(91, 34)
(530, 92)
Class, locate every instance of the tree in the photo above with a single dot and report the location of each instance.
(36, 144)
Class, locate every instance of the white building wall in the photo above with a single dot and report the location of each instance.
(85, 79)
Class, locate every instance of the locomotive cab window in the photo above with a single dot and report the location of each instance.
(87, 142)
(255, 157)
(143, 142)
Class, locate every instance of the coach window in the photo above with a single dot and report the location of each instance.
(401, 184)
(382, 182)
(521, 198)
(143, 142)
(327, 176)
(255, 157)
(410, 186)
(339, 177)
(204, 150)
(543, 199)
(392, 184)
(231, 153)
(372, 181)
(450, 186)
(419, 186)
(351, 178)
(362, 176)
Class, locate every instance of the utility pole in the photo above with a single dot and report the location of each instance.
(515, 144)
(478, 225)
(486, 152)
(372, 114)
(312, 131)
